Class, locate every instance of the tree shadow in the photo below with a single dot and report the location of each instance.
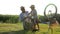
(18, 32)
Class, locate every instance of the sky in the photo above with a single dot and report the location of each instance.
(12, 7)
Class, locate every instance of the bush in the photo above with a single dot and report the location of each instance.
(9, 18)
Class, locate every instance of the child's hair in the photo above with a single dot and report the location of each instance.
(32, 6)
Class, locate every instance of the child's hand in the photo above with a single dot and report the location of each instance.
(25, 16)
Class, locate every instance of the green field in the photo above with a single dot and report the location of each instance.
(6, 28)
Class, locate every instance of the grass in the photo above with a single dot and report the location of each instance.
(6, 28)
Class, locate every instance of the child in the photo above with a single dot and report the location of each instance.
(34, 17)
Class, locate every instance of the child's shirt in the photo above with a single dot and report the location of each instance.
(34, 14)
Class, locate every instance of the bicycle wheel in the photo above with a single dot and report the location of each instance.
(50, 11)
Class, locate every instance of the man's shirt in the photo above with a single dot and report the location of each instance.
(23, 15)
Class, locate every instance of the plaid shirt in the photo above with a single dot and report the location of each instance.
(23, 15)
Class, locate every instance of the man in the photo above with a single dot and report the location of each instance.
(23, 16)
(34, 17)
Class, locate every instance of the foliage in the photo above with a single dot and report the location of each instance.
(15, 18)
(9, 18)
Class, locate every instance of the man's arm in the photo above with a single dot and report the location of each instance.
(21, 17)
